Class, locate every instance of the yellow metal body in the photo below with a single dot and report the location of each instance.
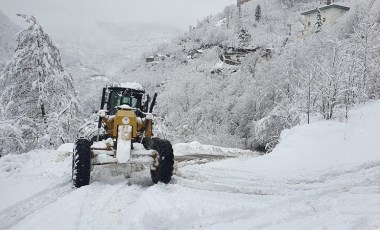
(138, 124)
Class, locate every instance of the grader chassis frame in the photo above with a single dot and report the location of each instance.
(127, 125)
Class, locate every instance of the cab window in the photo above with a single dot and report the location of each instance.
(131, 101)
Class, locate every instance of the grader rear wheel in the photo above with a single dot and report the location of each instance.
(164, 170)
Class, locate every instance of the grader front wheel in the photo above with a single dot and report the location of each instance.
(163, 169)
(81, 163)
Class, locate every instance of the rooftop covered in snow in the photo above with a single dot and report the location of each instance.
(336, 6)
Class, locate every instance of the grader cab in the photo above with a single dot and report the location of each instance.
(125, 119)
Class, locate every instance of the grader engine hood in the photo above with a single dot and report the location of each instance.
(122, 127)
(125, 117)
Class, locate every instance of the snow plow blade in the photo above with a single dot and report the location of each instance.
(124, 144)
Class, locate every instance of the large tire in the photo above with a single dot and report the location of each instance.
(147, 143)
(164, 170)
(81, 163)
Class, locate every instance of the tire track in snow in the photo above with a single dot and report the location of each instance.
(219, 180)
(22, 209)
(203, 178)
(325, 177)
(298, 198)
(117, 209)
(93, 201)
(104, 205)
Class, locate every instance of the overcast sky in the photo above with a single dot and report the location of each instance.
(58, 15)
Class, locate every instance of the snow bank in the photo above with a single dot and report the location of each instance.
(67, 147)
(321, 176)
(324, 146)
(195, 147)
(328, 144)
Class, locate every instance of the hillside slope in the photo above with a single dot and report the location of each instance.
(229, 105)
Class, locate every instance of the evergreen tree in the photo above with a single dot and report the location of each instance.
(318, 24)
(35, 87)
(244, 37)
(258, 13)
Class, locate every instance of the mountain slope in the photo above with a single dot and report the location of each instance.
(248, 104)
(321, 176)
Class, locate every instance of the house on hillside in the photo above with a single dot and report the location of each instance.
(329, 14)
(235, 56)
(156, 58)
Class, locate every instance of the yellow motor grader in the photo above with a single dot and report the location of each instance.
(124, 119)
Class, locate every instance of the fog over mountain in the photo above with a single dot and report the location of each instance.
(8, 31)
(105, 34)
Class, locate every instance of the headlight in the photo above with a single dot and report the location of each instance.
(125, 120)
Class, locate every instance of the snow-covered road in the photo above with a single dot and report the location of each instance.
(321, 176)
(216, 195)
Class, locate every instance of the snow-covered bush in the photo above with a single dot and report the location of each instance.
(11, 137)
(267, 132)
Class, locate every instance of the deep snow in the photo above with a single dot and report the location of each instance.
(321, 176)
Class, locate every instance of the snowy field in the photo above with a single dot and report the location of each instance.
(321, 176)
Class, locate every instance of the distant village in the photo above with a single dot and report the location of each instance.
(327, 14)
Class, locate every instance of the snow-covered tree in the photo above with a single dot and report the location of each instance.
(228, 11)
(35, 86)
(244, 37)
(258, 13)
(318, 24)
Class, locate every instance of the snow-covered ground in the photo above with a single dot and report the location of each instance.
(196, 148)
(321, 176)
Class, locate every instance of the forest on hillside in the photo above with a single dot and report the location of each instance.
(282, 80)
(248, 105)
